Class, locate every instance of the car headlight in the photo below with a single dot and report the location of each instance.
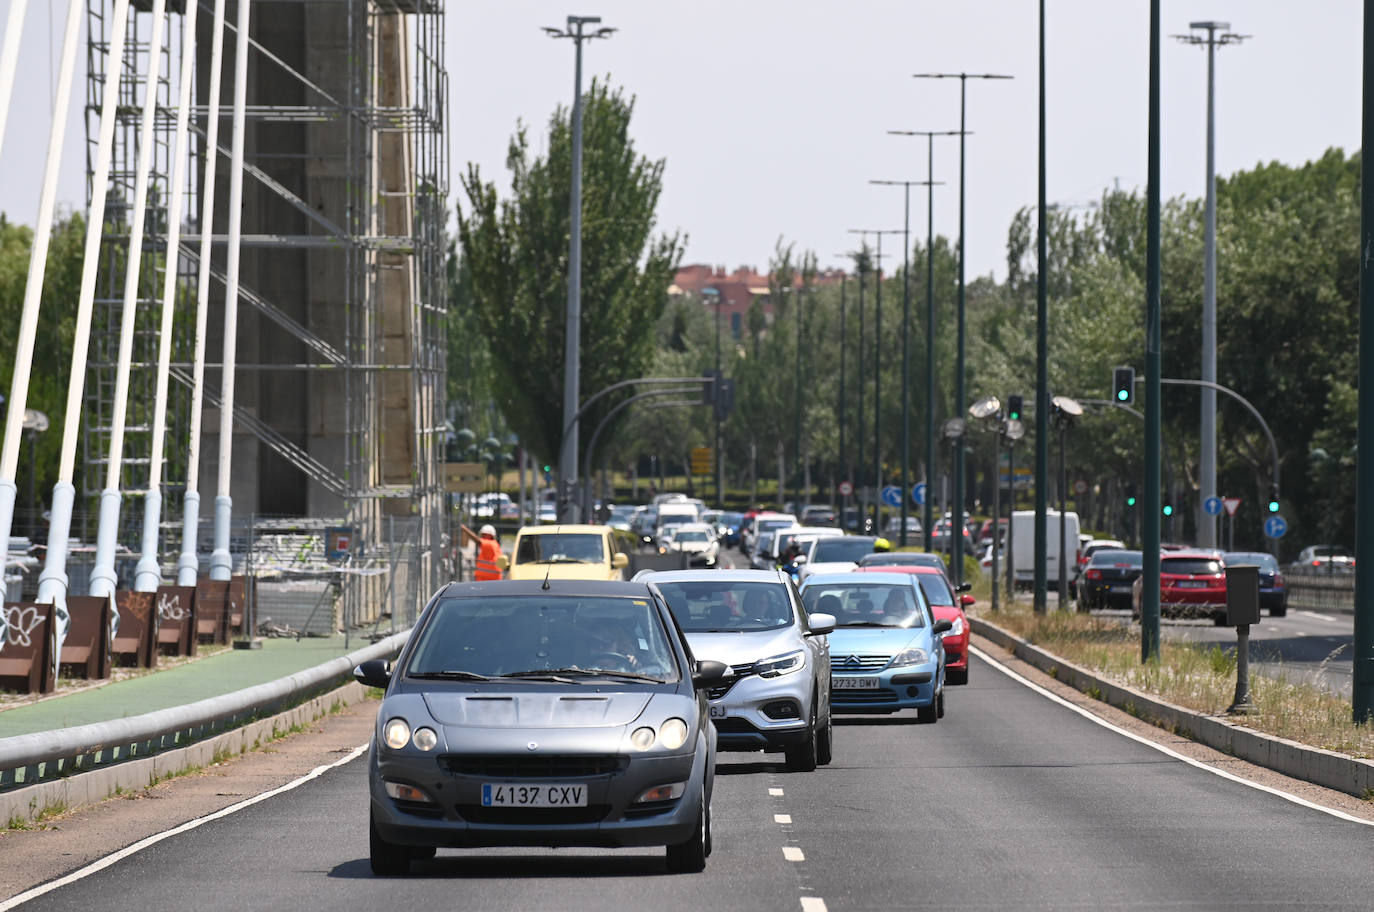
(957, 629)
(673, 734)
(780, 665)
(425, 739)
(396, 733)
(642, 738)
(912, 655)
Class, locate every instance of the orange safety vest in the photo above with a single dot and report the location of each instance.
(487, 554)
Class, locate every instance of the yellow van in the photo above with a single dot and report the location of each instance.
(568, 552)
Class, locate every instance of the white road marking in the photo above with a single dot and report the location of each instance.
(782, 818)
(103, 863)
(1159, 747)
(813, 904)
(776, 793)
(792, 853)
(1272, 629)
(1320, 617)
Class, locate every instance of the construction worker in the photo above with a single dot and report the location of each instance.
(488, 553)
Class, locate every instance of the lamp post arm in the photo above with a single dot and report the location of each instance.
(596, 434)
(592, 399)
(1264, 425)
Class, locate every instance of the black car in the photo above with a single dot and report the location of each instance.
(1273, 593)
(1107, 579)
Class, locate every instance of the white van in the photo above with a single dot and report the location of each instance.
(1023, 547)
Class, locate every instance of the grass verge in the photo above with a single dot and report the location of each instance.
(1196, 676)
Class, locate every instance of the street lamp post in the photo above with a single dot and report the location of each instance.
(715, 414)
(1013, 430)
(1207, 525)
(567, 460)
(1066, 411)
(957, 562)
(990, 407)
(877, 365)
(906, 323)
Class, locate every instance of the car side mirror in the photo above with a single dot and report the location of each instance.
(709, 673)
(943, 625)
(821, 623)
(963, 587)
(503, 562)
(373, 673)
(966, 600)
(619, 560)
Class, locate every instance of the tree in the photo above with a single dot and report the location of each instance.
(517, 252)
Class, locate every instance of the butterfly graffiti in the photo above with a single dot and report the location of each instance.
(17, 625)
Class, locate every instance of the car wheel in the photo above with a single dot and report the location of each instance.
(1219, 618)
(928, 715)
(940, 706)
(1278, 612)
(802, 758)
(956, 676)
(825, 743)
(689, 856)
(387, 859)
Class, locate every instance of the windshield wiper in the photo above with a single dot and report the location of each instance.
(557, 675)
(451, 675)
(562, 560)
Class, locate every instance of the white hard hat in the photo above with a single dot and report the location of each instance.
(488, 529)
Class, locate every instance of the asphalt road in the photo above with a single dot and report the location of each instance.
(1012, 801)
(1303, 646)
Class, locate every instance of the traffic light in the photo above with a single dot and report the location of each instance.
(1013, 408)
(1123, 385)
(1130, 495)
(709, 383)
(1273, 498)
(1168, 510)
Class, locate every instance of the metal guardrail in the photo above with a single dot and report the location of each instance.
(1321, 591)
(29, 759)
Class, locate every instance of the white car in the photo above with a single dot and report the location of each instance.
(699, 541)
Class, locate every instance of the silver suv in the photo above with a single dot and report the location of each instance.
(777, 695)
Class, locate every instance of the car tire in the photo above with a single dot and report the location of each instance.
(1278, 612)
(802, 758)
(956, 676)
(689, 856)
(929, 715)
(1219, 618)
(386, 859)
(825, 743)
(940, 706)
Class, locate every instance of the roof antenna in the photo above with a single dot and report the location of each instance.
(549, 569)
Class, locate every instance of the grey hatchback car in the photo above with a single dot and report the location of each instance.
(542, 713)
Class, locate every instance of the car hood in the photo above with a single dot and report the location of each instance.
(521, 709)
(736, 648)
(846, 641)
(570, 571)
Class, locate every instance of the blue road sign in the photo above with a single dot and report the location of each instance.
(892, 495)
(918, 494)
(1275, 526)
(1213, 507)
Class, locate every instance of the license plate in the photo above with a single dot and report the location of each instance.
(848, 683)
(718, 712)
(1126, 588)
(1191, 584)
(548, 795)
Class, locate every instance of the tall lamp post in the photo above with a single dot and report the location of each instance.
(1012, 430)
(906, 331)
(567, 460)
(877, 366)
(928, 519)
(990, 407)
(1066, 412)
(1207, 525)
(720, 471)
(957, 563)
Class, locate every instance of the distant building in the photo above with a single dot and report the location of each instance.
(737, 291)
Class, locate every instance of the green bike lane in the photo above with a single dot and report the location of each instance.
(205, 676)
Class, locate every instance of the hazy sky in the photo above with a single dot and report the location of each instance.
(772, 115)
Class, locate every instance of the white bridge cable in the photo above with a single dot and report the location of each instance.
(221, 563)
(104, 578)
(38, 263)
(148, 573)
(9, 59)
(52, 582)
(188, 565)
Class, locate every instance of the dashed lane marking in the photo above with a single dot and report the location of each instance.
(1159, 747)
(782, 818)
(1320, 617)
(775, 792)
(813, 904)
(792, 853)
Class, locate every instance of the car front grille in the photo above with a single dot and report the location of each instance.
(534, 766)
(856, 663)
(737, 673)
(476, 813)
(862, 697)
(734, 726)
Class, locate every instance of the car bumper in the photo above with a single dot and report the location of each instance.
(911, 687)
(610, 819)
(1273, 598)
(956, 651)
(1107, 595)
(767, 714)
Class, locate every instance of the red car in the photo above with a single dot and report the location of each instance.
(1191, 584)
(944, 603)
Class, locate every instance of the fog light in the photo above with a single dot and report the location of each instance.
(781, 709)
(642, 738)
(425, 739)
(396, 734)
(912, 691)
(403, 792)
(662, 793)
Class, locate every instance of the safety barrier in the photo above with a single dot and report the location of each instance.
(1321, 591)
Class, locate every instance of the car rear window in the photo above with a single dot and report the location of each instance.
(1266, 562)
(1190, 566)
(1112, 557)
(841, 548)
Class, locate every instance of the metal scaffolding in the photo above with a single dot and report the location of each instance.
(339, 410)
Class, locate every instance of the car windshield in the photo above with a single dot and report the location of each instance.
(1266, 562)
(841, 548)
(727, 605)
(1190, 566)
(559, 548)
(1107, 557)
(691, 537)
(937, 590)
(526, 636)
(865, 604)
(1329, 551)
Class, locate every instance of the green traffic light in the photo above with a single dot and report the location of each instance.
(548, 469)
(1130, 501)
(1273, 506)
(1168, 510)
(1122, 395)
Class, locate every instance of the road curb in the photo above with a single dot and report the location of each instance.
(1329, 769)
(82, 789)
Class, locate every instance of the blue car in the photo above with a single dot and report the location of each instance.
(886, 652)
